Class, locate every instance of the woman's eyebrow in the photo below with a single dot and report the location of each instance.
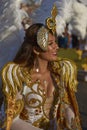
(50, 40)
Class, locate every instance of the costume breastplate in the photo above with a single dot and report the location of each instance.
(37, 105)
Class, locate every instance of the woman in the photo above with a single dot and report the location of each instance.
(39, 87)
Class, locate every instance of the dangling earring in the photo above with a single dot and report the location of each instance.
(36, 64)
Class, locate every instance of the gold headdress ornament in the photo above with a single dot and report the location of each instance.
(42, 38)
(50, 21)
(42, 35)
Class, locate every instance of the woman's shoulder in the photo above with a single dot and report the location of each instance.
(63, 63)
(67, 69)
(11, 78)
(8, 67)
(9, 64)
(10, 72)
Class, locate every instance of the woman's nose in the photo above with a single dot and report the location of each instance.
(56, 46)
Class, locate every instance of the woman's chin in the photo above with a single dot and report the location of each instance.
(53, 58)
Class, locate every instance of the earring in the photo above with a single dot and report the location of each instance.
(36, 64)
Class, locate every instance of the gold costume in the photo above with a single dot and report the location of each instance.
(27, 101)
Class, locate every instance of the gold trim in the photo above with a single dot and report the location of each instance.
(10, 111)
(10, 89)
(50, 21)
(67, 74)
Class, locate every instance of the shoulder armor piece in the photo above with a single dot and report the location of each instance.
(12, 84)
(68, 71)
(11, 77)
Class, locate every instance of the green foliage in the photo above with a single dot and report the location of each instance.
(71, 54)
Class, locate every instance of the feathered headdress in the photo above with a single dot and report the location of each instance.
(69, 12)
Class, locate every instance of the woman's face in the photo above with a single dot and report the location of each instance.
(51, 53)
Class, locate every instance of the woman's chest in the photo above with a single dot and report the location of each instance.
(35, 99)
(34, 96)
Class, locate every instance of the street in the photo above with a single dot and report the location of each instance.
(82, 102)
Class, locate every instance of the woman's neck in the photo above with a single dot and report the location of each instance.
(42, 65)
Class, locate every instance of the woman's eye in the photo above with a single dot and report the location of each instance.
(50, 43)
(56, 41)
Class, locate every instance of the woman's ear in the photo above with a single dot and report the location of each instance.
(36, 51)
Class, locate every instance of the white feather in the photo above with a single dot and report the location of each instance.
(11, 29)
(74, 13)
(65, 13)
(79, 20)
(10, 19)
(60, 25)
(83, 2)
(10, 16)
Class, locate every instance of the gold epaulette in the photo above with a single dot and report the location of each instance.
(11, 77)
(68, 71)
(12, 84)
